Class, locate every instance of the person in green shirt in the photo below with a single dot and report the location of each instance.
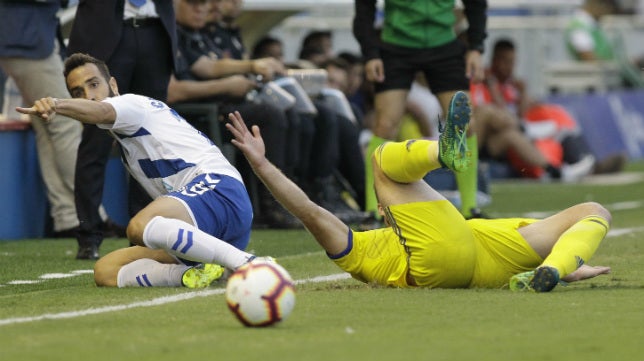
(419, 36)
(587, 41)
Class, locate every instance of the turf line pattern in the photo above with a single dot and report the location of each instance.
(153, 302)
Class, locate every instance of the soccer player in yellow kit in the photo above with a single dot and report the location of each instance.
(427, 242)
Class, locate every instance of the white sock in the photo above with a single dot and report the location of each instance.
(186, 241)
(147, 272)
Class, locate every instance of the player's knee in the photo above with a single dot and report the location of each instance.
(599, 210)
(104, 273)
(589, 209)
(135, 229)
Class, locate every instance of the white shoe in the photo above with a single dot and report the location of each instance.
(574, 172)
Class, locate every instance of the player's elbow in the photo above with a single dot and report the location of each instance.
(175, 93)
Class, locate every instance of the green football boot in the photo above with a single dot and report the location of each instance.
(543, 279)
(202, 276)
(452, 142)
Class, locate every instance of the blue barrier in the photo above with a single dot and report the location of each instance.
(23, 211)
(115, 191)
(612, 122)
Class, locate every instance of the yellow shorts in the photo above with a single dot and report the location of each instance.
(438, 241)
(430, 240)
(374, 256)
(501, 251)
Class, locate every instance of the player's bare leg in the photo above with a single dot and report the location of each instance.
(400, 166)
(566, 241)
(466, 180)
(390, 107)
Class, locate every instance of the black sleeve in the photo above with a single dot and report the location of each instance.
(363, 30)
(188, 47)
(476, 14)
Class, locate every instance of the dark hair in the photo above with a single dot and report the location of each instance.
(338, 63)
(78, 59)
(350, 57)
(308, 52)
(503, 45)
(259, 50)
(315, 38)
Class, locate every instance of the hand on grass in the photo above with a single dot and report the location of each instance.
(585, 272)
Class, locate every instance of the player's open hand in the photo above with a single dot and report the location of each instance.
(44, 108)
(585, 272)
(251, 144)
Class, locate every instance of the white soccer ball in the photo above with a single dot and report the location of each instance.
(260, 293)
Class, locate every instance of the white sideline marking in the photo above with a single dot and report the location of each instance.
(23, 282)
(47, 276)
(622, 231)
(153, 302)
(617, 206)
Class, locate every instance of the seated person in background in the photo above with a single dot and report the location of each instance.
(350, 160)
(203, 77)
(268, 47)
(316, 49)
(201, 213)
(550, 127)
(335, 157)
(308, 132)
(356, 92)
(500, 137)
(222, 28)
(587, 41)
(426, 241)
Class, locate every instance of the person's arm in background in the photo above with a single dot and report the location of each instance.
(475, 12)
(525, 101)
(208, 68)
(367, 37)
(189, 90)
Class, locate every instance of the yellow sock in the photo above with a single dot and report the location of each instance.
(407, 161)
(577, 245)
(371, 202)
(467, 180)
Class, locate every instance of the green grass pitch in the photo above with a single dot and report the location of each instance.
(64, 316)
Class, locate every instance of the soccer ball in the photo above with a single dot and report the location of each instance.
(260, 293)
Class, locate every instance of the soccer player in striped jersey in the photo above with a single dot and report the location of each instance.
(201, 214)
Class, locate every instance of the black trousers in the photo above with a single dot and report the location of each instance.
(142, 64)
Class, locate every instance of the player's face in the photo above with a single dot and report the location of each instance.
(88, 82)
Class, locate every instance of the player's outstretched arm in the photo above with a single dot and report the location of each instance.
(327, 229)
(83, 110)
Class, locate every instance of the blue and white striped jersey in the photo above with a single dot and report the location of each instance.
(161, 150)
